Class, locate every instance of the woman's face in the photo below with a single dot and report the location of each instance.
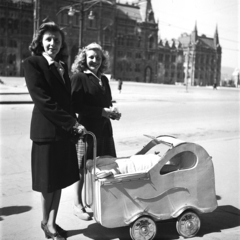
(52, 43)
(94, 60)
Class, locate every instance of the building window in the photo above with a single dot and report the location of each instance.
(120, 54)
(138, 55)
(1, 57)
(160, 57)
(137, 67)
(128, 67)
(2, 43)
(120, 41)
(151, 42)
(12, 43)
(11, 59)
(129, 54)
(139, 42)
(119, 66)
(167, 57)
(76, 19)
(173, 58)
(59, 18)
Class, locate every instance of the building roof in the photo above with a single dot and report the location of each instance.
(207, 42)
(129, 11)
(140, 11)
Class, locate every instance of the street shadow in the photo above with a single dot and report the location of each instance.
(224, 217)
(7, 211)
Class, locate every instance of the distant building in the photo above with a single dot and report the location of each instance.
(128, 32)
(202, 58)
(236, 77)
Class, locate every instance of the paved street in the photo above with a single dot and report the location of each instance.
(208, 117)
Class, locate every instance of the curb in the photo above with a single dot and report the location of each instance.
(16, 102)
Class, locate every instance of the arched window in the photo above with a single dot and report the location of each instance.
(150, 16)
(151, 42)
(107, 36)
(1, 57)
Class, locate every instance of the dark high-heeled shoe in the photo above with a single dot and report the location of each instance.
(58, 228)
(53, 236)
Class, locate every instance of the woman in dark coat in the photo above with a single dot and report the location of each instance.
(54, 128)
(92, 101)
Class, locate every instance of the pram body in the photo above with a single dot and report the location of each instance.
(179, 186)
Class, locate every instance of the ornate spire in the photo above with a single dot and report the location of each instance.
(146, 10)
(194, 35)
(216, 38)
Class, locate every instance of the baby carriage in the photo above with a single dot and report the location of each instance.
(167, 179)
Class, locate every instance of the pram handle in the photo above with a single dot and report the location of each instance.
(85, 168)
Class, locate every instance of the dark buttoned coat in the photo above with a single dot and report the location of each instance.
(54, 158)
(88, 100)
(52, 117)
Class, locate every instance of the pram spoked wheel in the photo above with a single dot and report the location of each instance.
(188, 224)
(144, 228)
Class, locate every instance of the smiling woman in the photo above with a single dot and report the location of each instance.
(92, 101)
(52, 43)
(54, 128)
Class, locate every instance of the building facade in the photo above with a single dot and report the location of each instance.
(128, 32)
(16, 31)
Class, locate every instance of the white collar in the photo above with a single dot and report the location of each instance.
(49, 59)
(90, 72)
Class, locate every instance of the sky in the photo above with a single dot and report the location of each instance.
(178, 16)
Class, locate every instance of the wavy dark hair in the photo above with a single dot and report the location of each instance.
(36, 47)
(80, 63)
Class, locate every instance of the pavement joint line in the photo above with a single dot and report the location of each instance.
(13, 93)
(16, 102)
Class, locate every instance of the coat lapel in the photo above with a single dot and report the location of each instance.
(54, 70)
(95, 81)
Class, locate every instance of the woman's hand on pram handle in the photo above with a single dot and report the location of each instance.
(79, 129)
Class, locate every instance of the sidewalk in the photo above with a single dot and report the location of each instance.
(21, 214)
(14, 91)
(20, 210)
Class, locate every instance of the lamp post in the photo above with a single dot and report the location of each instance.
(36, 16)
(84, 5)
(187, 67)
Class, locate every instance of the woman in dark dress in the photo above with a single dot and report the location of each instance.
(92, 101)
(54, 128)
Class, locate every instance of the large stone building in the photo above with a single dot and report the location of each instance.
(129, 32)
(16, 31)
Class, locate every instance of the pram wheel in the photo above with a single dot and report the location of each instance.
(144, 228)
(188, 224)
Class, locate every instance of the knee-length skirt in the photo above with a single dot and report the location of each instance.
(54, 165)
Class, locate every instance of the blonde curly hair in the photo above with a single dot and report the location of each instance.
(80, 64)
